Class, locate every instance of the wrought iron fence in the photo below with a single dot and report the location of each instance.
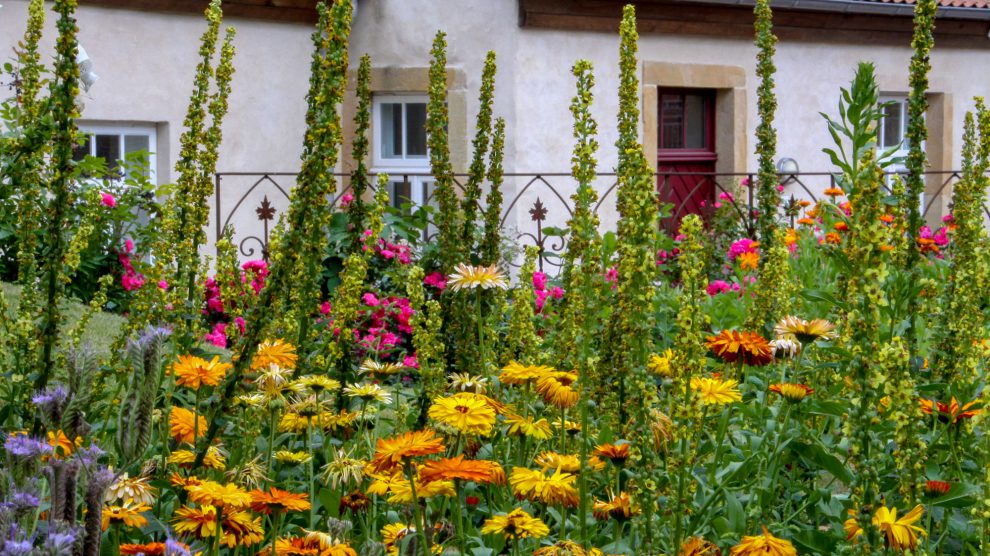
(536, 203)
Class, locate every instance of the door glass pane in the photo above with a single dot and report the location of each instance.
(672, 121)
(108, 148)
(416, 130)
(694, 112)
(138, 143)
(391, 135)
(891, 134)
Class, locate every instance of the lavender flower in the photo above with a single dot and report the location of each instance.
(25, 447)
(61, 542)
(90, 454)
(22, 501)
(176, 548)
(50, 397)
(16, 548)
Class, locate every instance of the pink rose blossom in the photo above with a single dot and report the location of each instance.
(346, 200)
(410, 361)
(162, 284)
(370, 300)
(218, 336)
(108, 200)
(540, 280)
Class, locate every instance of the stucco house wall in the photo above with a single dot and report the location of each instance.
(146, 62)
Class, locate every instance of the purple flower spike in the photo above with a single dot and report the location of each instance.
(22, 446)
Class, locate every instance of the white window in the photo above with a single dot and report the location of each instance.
(114, 142)
(399, 147)
(892, 133)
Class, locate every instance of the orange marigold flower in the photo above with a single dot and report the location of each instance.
(950, 413)
(185, 425)
(616, 453)
(557, 389)
(148, 549)
(61, 445)
(242, 529)
(128, 513)
(200, 522)
(748, 260)
(763, 545)
(833, 238)
(791, 392)
(192, 372)
(806, 221)
(731, 345)
(618, 507)
(278, 500)
(353, 502)
(211, 493)
(934, 489)
(312, 545)
(834, 192)
(841, 227)
(887, 218)
(390, 452)
(445, 469)
(697, 546)
(278, 352)
(535, 485)
(519, 375)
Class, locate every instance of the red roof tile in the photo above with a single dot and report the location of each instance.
(984, 4)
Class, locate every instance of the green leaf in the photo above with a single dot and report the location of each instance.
(816, 456)
(959, 496)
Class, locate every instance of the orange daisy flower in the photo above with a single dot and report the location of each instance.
(792, 392)
(731, 345)
(390, 452)
(282, 354)
(148, 549)
(950, 413)
(748, 260)
(557, 389)
(278, 500)
(185, 425)
(192, 372)
(479, 471)
(616, 453)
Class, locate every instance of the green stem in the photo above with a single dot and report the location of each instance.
(271, 446)
(312, 480)
(418, 510)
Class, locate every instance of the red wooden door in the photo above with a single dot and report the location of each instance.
(686, 152)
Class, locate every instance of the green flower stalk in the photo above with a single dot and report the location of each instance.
(329, 41)
(356, 210)
(64, 89)
(962, 322)
(521, 341)
(861, 331)
(910, 452)
(917, 131)
(767, 195)
(637, 247)
(347, 297)
(582, 260)
(449, 216)
(425, 322)
(476, 172)
(301, 294)
(25, 173)
(181, 229)
(490, 250)
(685, 408)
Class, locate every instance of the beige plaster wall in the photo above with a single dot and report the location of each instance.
(146, 63)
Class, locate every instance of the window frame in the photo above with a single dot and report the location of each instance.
(148, 129)
(377, 126)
